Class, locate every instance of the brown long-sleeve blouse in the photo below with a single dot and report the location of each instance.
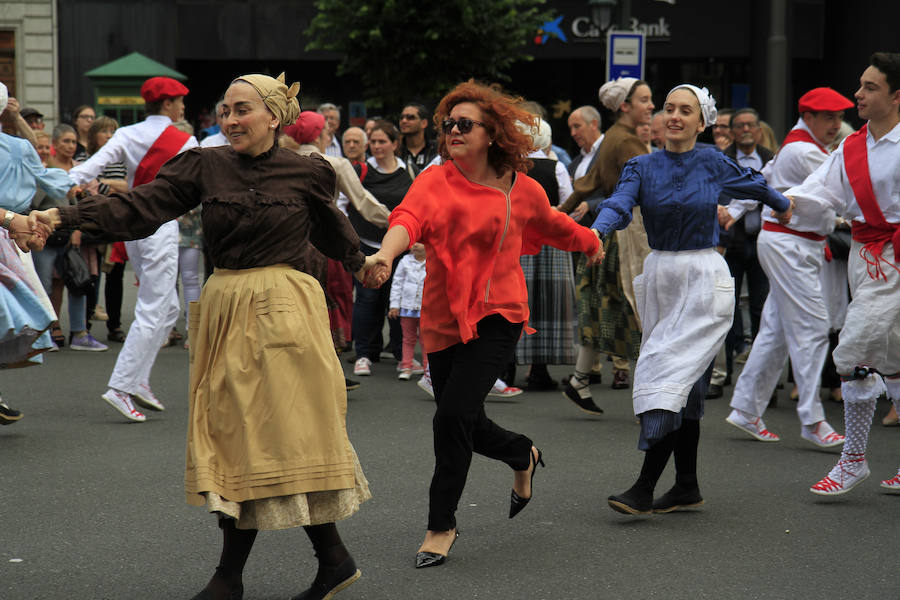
(257, 211)
(619, 145)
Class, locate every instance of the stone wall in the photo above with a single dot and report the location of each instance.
(34, 24)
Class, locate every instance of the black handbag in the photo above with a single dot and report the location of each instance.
(74, 271)
(839, 242)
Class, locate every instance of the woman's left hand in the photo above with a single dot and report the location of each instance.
(28, 233)
(596, 258)
(785, 217)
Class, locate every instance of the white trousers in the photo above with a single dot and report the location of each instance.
(189, 268)
(155, 263)
(794, 323)
(686, 304)
(871, 333)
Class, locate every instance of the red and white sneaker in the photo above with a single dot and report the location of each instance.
(501, 390)
(822, 435)
(145, 398)
(892, 485)
(752, 426)
(845, 476)
(122, 403)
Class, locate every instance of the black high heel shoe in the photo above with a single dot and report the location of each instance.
(516, 502)
(433, 559)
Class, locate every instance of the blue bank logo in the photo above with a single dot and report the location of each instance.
(548, 30)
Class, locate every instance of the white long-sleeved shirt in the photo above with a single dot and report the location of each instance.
(586, 158)
(128, 145)
(830, 186)
(408, 283)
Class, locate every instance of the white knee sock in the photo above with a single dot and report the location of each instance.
(859, 408)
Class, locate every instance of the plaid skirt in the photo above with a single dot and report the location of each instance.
(606, 320)
(551, 302)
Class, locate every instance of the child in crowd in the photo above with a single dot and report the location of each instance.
(406, 303)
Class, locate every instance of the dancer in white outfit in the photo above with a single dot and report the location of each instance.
(859, 181)
(144, 147)
(795, 319)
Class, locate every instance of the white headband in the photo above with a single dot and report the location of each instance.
(4, 97)
(613, 93)
(707, 102)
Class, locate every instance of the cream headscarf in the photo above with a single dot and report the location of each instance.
(4, 97)
(279, 99)
(613, 93)
(542, 135)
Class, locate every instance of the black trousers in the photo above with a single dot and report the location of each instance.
(462, 376)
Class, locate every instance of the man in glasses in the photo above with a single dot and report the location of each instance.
(722, 128)
(740, 253)
(34, 118)
(417, 149)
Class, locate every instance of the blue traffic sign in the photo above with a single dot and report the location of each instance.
(625, 54)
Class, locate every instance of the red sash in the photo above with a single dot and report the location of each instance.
(165, 147)
(801, 135)
(876, 231)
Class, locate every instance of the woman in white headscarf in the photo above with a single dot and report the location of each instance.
(685, 295)
(267, 444)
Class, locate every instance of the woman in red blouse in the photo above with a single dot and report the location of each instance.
(476, 214)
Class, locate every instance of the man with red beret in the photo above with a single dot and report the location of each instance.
(795, 320)
(144, 147)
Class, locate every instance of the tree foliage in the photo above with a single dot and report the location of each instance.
(405, 49)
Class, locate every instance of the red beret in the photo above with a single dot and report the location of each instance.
(823, 99)
(307, 127)
(157, 89)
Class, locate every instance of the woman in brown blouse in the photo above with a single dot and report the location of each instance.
(607, 320)
(267, 442)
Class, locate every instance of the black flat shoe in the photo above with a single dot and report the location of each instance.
(433, 559)
(331, 580)
(631, 502)
(233, 590)
(678, 498)
(585, 404)
(516, 502)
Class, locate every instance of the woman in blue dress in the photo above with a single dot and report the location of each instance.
(24, 318)
(685, 296)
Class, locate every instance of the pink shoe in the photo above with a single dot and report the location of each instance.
(845, 476)
(752, 426)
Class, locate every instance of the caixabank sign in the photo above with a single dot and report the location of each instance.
(669, 26)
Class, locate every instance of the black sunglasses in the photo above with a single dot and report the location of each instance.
(464, 125)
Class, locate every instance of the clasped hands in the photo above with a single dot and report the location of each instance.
(726, 221)
(375, 271)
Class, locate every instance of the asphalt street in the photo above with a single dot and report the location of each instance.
(93, 506)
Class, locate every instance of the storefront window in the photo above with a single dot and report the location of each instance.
(8, 60)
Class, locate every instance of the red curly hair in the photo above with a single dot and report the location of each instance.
(501, 113)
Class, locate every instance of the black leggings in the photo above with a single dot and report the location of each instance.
(462, 376)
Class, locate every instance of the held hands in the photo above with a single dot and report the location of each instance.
(28, 233)
(375, 271)
(596, 258)
(393, 313)
(725, 219)
(49, 218)
(785, 217)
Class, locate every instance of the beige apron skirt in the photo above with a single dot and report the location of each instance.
(267, 437)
